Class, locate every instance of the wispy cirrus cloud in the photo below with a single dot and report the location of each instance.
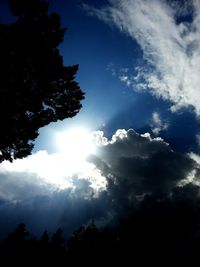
(170, 44)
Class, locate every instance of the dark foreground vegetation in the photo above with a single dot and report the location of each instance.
(36, 88)
(159, 232)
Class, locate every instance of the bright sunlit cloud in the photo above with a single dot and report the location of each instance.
(59, 169)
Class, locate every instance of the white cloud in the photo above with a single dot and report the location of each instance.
(157, 124)
(171, 49)
(44, 174)
(195, 174)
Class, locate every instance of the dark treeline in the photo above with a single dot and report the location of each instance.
(160, 232)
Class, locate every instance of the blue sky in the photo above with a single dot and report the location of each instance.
(139, 64)
(103, 52)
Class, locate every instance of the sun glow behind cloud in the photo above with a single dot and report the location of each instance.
(75, 143)
(60, 168)
(89, 160)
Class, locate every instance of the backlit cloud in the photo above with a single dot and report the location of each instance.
(137, 164)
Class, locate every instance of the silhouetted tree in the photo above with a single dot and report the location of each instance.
(89, 243)
(57, 240)
(45, 239)
(35, 86)
(19, 235)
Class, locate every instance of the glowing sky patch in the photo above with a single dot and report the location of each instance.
(60, 168)
(76, 143)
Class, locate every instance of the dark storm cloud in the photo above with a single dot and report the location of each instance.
(136, 165)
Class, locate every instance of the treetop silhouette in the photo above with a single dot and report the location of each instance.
(35, 86)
